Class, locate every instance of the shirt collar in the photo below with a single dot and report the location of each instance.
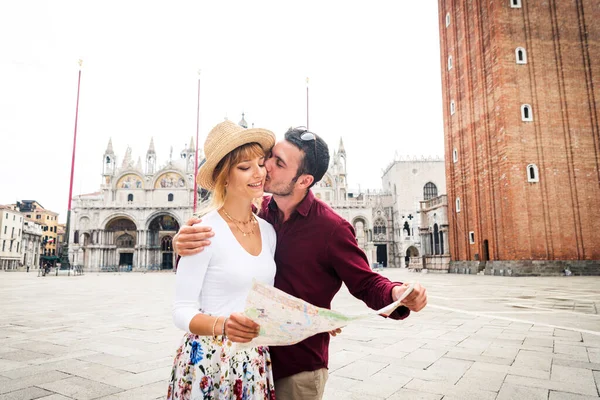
(303, 207)
(306, 203)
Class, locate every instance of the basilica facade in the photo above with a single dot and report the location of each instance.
(130, 222)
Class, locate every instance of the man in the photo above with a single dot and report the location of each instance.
(316, 252)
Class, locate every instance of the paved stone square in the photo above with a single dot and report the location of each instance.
(110, 336)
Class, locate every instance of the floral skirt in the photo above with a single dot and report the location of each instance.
(207, 367)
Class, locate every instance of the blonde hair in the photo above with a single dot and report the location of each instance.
(221, 173)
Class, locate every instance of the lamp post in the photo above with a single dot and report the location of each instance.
(196, 153)
(307, 103)
(64, 259)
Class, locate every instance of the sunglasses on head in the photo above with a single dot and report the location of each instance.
(307, 135)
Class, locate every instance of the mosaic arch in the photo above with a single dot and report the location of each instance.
(326, 181)
(130, 181)
(169, 180)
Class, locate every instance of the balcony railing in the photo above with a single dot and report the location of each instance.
(436, 201)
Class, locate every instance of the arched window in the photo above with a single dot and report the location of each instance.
(521, 55)
(125, 240)
(449, 63)
(429, 191)
(526, 114)
(455, 155)
(515, 3)
(447, 20)
(107, 159)
(379, 227)
(533, 173)
(452, 108)
(166, 243)
(170, 197)
(130, 197)
(76, 237)
(458, 204)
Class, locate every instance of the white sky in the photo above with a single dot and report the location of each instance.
(374, 69)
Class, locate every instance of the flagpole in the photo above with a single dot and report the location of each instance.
(64, 259)
(196, 154)
(307, 103)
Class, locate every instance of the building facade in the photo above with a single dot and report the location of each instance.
(522, 137)
(434, 234)
(130, 222)
(11, 236)
(411, 180)
(49, 222)
(31, 248)
(386, 222)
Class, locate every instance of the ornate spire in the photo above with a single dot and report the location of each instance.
(127, 162)
(151, 149)
(109, 148)
(243, 122)
(341, 149)
(138, 165)
(192, 147)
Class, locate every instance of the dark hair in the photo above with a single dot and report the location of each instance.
(316, 153)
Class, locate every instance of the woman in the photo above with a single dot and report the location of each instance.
(211, 287)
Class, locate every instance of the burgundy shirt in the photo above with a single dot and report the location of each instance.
(316, 252)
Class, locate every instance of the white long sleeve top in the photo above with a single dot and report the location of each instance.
(217, 280)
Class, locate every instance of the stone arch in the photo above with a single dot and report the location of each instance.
(412, 251)
(161, 227)
(84, 223)
(155, 214)
(364, 219)
(125, 240)
(116, 216)
(85, 239)
(361, 229)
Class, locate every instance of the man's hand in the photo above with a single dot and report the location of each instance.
(416, 300)
(190, 239)
(240, 328)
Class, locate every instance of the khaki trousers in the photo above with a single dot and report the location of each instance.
(308, 385)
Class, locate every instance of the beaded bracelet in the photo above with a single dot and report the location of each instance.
(213, 328)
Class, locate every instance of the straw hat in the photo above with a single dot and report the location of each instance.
(224, 138)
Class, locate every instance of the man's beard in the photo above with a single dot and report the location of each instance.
(282, 191)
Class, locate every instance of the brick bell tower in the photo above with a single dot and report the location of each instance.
(521, 95)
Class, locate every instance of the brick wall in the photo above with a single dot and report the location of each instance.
(557, 218)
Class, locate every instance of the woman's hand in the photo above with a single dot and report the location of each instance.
(335, 332)
(241, 329)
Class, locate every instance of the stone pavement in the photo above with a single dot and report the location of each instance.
(110, 336)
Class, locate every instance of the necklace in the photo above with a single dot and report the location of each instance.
(236, 222)
(251, 219)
